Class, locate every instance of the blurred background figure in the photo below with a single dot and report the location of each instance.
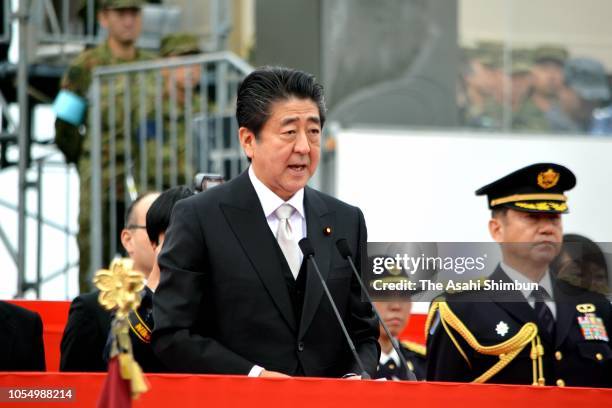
(526, 114)
(181, 93)
(482, 91)
(396, 315)
(582, 263)
(123, 21)
(547, 75)
(585, 88)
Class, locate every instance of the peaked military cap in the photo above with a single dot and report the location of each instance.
(536, 188)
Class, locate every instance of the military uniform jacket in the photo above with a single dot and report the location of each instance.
(572, 357)
(415, 357)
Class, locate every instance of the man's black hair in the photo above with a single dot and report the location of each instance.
(158, 216)
(266, 85)
(499, 212)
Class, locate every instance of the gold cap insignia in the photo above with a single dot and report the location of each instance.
(548, 179)
(585, 307)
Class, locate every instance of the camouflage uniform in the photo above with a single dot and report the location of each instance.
(530, 117)
(526, 115)
(77, 147)
(173, 121)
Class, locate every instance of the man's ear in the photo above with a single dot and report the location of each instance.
(102, 19)
(247, 140)
(126, 240)
(496, 229)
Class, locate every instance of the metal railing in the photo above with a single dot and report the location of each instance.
(5, 33)
(153, 125)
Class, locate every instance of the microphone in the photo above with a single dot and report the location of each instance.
(345, 252)
(308, 252)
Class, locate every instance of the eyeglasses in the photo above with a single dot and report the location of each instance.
(135, 226)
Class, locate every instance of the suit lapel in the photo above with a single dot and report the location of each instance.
(246, 218)
(317, 218)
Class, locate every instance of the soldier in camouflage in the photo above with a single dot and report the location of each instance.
(526, 116)
(123, 21)
(170, 153)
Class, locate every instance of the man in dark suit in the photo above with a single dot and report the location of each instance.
(235, 295)
(559, 332)
(21, 339)
(86, 331)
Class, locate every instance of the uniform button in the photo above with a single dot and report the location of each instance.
(599, 356)
(558, 355)
(392, 366)
(300, 346)
(560, 383)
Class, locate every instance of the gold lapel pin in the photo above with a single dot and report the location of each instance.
(327, 231)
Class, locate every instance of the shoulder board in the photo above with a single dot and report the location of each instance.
(414, 347)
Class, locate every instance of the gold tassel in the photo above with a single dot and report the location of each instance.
(506, 351)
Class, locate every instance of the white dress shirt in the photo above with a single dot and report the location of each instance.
(270, 202)
(545, 283)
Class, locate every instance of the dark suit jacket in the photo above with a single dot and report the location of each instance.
(223, 305)
(21, 339)
(85, 335)
(568, 357)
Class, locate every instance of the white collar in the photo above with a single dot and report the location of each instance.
(384, 357)
(513, 274)
(270, 201)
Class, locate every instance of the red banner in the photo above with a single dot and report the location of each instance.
(179, 391)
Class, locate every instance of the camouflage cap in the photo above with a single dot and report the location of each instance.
(550, 53)
(179, 44)
(121, 4)
(588, 78)
(490, 53)
(522, 60)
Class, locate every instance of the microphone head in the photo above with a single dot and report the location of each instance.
(343, 248)
(306, 247)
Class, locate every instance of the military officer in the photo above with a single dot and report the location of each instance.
(555, 334)
(396, 315)
(122, 19)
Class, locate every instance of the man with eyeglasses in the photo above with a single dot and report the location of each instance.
(88, 324)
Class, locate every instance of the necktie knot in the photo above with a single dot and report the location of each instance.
(284, 212)
(540, 294)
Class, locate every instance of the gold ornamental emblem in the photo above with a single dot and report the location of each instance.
(548, 179)
(586, 308)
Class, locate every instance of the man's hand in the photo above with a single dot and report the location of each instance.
(273, 374)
